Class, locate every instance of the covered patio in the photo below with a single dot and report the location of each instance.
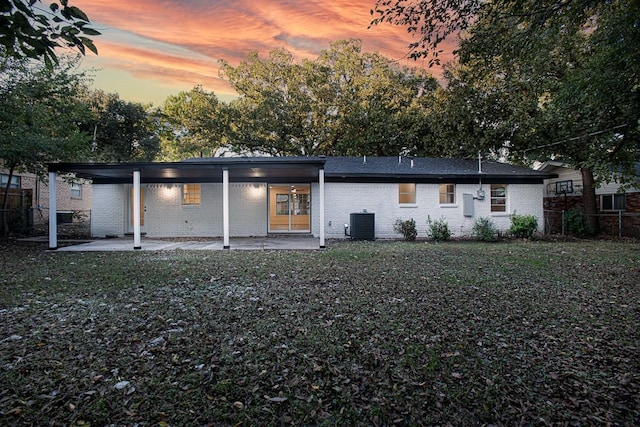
(239, 243)
(224, 170)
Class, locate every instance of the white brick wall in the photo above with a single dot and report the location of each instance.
(382, 199)
(165, 215)
(108, 210)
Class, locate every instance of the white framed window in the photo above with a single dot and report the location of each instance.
(613, 202)
(15, 181)
(447, 194)
(498, 197)
(191, 194)
(76, 191)
(406, 193)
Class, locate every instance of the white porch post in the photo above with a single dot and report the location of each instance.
(225, 208)
(321, 185)
(53, 219)
(136, 210)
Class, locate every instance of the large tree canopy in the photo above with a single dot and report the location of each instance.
(122, 130)
(194, 124)
(346, 102)
(29, 29)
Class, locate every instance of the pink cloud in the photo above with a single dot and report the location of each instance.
(182, 41)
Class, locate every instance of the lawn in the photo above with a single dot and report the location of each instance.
(363, 333)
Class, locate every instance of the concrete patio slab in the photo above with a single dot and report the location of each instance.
(238, 243)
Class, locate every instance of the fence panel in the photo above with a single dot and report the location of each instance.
(617, 224)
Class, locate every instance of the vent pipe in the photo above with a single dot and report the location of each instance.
(399, 160)
(365, 159)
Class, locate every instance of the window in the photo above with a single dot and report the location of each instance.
(297, 203)
(613, 202)
(406, 193)
(191, 194)
(498, 198)
(15, 181)
(447, 194)
(282, 204)
(76, 191)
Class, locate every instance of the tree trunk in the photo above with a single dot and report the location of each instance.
(5, 204)
(589, 199)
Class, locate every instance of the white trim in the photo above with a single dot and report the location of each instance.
(321, 188)
(53, 219)
(225, 208)
(136, 210)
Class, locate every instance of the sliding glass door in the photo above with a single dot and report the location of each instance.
(289, 208)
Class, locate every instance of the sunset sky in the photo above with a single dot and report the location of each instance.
(150, 49)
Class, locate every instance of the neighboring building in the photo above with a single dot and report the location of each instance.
(31, 194)
(619, 211)
(257, 196)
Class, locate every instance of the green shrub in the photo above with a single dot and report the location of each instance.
(576, 224)
(438, 230)
(407, 229)
(524, 226)
(485, 230)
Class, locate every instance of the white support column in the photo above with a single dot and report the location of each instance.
(225, 208)
(136, 210)
(53, 218)
(321, 185)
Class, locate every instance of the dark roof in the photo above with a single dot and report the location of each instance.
(305, 169)
(241, 169)
(425, 169)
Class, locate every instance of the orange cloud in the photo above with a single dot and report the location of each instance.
(179, 43)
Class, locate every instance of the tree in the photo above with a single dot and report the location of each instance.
(345, 102)
(39, 117)
(30, 30)
(537, 80)
(122, 130)
(193, 123)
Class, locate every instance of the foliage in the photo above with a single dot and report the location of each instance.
(29, 29)
(122, 130)
(394, 334)
(576, 224)
(524, 226)
(39, 116)
(438, 230)
(485, 230)
(345, 102)
(535, 80)
(194, 124)
(407, 228)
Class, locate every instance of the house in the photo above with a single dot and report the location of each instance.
(257, 196)
(619, 210)
(30, 194)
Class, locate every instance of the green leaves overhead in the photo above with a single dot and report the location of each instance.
(29, 30)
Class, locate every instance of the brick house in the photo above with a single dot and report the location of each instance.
(316, 196)
(74, 199)
(619, 210)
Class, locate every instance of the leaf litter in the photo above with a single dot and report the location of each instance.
(364, 333)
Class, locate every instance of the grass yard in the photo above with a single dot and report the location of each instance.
(364, 333)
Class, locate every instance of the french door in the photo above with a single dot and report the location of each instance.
(289, 208)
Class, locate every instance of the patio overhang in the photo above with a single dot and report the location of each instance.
(224, 170)
(241, 169)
